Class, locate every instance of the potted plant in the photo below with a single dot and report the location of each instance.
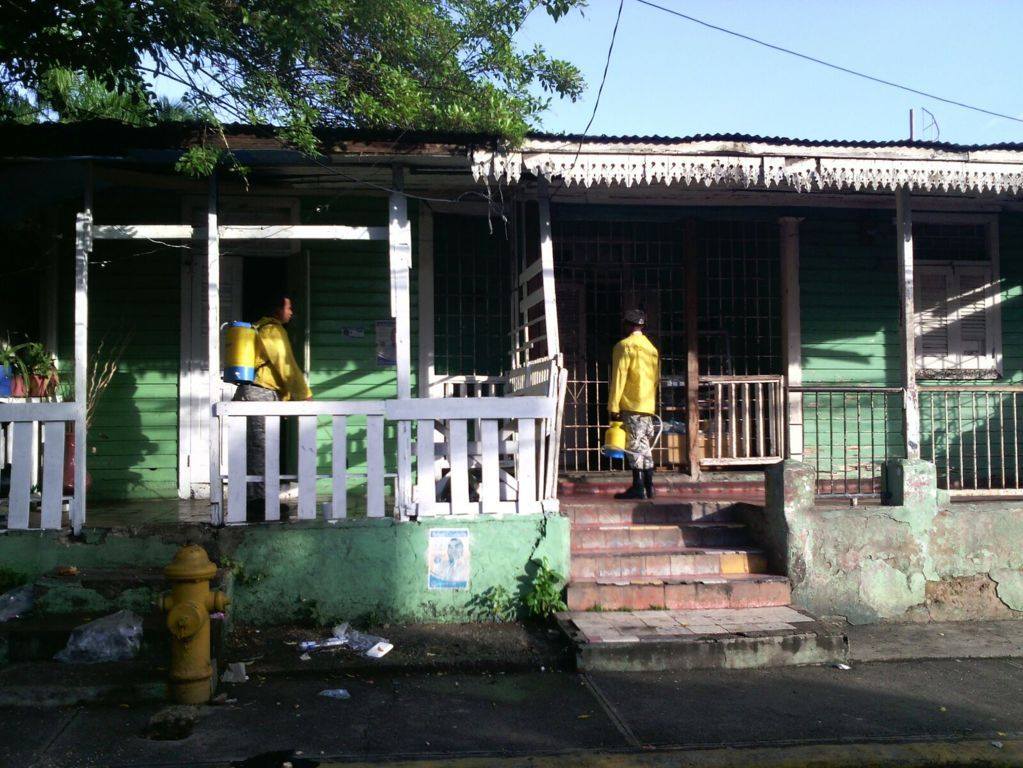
(41, 369)
(12, 369)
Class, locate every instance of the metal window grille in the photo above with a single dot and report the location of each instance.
(972, 435)
(603, 267)
(740, 304)
(472, 280)
(950, 242)
(848, 434)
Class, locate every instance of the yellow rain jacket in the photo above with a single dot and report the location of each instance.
(276, 367)
(635, 371)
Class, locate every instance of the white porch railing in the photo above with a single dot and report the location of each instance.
(234, 428)
(482, 455)
(32, 438)
(479, 455)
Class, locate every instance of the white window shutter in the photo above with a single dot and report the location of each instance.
(934, 348)
(974, 300)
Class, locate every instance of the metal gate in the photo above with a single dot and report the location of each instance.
(604, 267)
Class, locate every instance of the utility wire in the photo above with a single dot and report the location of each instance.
(607, 64)
(838, 67)
(600, 90)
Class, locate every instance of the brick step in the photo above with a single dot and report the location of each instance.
(601, 511)
(688, 593)
(744, 490)
(687, 561)
(658, 537)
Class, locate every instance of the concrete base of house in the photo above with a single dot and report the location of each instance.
(655, 641)
(915, 558)
(282, 573)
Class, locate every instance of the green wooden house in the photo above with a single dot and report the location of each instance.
(834, 303)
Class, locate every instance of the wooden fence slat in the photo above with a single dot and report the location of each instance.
(374, 466)
(237, 469)
(426, 483)
(306, 467)
(339, 468)
(458, 477)
(490, 485)
(21, 474)
(53, 474)
(525, 468)
(272, 465)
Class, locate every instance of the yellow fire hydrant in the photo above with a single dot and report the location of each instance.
(188, 608)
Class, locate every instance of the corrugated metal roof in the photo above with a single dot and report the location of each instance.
(747, 138)
(111, 138)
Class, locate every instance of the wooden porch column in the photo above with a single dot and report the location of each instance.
(213, 350)
(400, 258)
(550, 304)
(427, 343)
(692, 308)
(83, 247)
(791, 333)
(907, 321)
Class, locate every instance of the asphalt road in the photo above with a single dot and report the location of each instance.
(447, 716)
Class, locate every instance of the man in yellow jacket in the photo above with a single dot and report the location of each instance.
(632, 398)
(278, 377)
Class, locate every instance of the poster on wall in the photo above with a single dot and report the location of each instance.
(387, 353)
(447, 558)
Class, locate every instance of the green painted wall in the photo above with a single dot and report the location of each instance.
(350, 293)
(307, 572)
(135, 301)
(850, 334)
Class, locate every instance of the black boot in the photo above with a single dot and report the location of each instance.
(637, 490)
(648, 482)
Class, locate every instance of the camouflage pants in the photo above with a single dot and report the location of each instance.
(640, 430)
(255, 436)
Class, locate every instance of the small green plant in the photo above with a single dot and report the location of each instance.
(544, 596)
(10, 358)
(495, 604)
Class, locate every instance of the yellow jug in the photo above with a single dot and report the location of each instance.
(614, 441)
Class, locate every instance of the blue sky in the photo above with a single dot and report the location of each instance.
(672, 77)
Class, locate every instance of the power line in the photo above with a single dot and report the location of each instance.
(600, 90)
(607, 65)
(838, 67)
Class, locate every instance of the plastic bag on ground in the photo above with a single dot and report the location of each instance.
(336, 693)
(345, 637)
(16, 602)
(116, 637)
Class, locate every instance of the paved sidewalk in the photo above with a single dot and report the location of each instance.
(444, 717)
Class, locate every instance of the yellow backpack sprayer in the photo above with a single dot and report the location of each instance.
(239, 353)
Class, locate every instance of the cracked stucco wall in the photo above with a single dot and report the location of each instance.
(917, 559)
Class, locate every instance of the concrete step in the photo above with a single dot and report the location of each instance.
(658, 537)
(697, 592)
(749, 487)
(605, 564)
(668, 511)
(653, 641)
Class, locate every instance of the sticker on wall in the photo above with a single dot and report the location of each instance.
(353, 332)
(387, 354)
(447, 558)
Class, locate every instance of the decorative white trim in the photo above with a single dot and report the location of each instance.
(803, 169)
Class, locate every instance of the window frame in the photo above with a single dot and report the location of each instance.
(993, 315)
